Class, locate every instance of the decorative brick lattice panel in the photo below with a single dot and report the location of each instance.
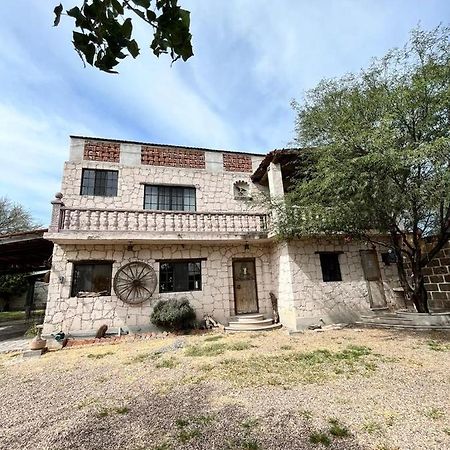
(166, 156)
(437, 280)
(102, 151)
(237, 163)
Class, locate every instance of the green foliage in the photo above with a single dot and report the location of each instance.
(173, 314)
(378, 146)
(11, 285)
(214, 349)
(318, 437)
(13, 217)
(337, 430)
(103, 34)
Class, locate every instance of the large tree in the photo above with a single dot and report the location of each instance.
(13, 218)
(103, 34)
(378, 145)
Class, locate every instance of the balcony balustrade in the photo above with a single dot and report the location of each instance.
(179, 222)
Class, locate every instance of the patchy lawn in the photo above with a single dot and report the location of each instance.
(347, 389)
(7, 316)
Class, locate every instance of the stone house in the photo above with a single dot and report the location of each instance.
(138, 222)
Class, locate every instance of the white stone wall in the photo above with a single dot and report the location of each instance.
(214, 186)
(304, 298)
(216, 297)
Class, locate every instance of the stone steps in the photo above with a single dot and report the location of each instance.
(404, 327)
(251, 322)
(407, 320)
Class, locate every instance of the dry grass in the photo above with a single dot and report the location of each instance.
(348, 389)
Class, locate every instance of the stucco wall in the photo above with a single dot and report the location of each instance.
(216, 297)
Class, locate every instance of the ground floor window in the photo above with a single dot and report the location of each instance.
(331, 270)
(92, 277)
(179, 276)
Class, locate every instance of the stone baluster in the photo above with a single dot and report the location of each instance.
(104, 221)
(115, 223)
(208, 223)
(125, 222)
(154, 216)
(66, 225)
(241, 225)
(76, 224)
(202, 222)
(146, 221)
(136, 219)
(88, 219)
(247, 223)
(180, 222)
(97, 220)
(57, 220)
(225, 222)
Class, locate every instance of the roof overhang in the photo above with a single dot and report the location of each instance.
(287, 158)
(25, 252)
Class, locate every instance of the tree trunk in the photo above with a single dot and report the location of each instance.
(420, 297)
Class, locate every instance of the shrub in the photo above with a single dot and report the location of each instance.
(173, 314)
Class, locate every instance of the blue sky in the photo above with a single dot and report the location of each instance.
(252, 57)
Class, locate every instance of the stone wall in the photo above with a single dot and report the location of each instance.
(304, 298)
(212, 173)
(214, 193)
(216, 297)
(437, 280)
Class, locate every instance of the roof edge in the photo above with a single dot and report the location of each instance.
(123, 141)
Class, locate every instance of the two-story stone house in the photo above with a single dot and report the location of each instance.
(140, 222)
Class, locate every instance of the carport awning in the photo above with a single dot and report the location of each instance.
(25, 252)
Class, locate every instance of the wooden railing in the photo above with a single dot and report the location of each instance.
(89, 219)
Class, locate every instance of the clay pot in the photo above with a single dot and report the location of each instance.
(37, 343)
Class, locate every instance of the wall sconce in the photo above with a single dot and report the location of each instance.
(130, 247)
(246, 247)
(62, 279)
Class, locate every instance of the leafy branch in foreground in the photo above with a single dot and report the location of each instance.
(103, 34)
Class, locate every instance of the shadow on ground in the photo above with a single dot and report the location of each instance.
(188, 417)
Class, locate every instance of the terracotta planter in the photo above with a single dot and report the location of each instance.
(37, 342)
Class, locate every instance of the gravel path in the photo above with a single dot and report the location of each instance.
(381, 390)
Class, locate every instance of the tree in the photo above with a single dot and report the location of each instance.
(11, 285)
(104, 28)
(379, 147)
(13, 217)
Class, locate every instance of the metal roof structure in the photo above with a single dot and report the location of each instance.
(24, 252)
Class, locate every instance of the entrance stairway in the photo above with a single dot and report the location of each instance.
(251, 322)
(407, 320)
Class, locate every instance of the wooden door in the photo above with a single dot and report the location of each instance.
(244, 281)
(372, 274)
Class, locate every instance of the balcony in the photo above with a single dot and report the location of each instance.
(75, 224)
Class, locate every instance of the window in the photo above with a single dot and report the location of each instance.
(99, 182)
(331, 270)
(179, 276)
(92, 276)
(169, 198)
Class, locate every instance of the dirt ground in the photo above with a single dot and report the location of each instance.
(343, 389)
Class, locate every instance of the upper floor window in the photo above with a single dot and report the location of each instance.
(169, 198)
(99, 182)
(331, 270)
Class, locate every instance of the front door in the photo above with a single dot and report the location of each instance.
(372, 274)
(244, 281)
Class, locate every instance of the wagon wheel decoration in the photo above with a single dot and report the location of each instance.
(135, 282)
